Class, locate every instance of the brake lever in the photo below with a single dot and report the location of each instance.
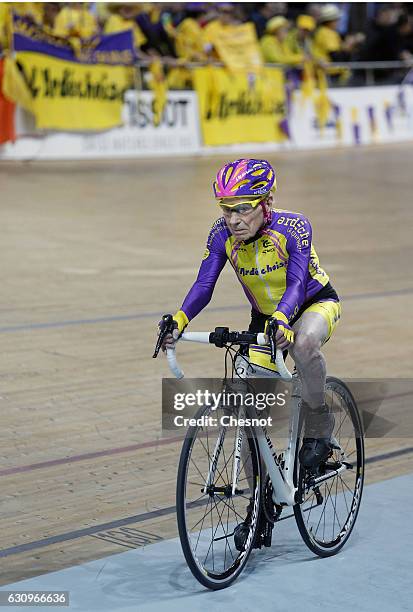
(272, 329)
(166, 327)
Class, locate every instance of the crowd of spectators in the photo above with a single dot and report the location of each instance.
(288, 33)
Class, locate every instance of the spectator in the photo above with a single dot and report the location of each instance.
(299, 38)
(158, 41)
(30, 10)
(75, 21)
(189, 37)
(387, 40)
(50, 12)
(226, 18)
(314, 10)
(262, 12)
(328, 45)
(274, 47)
(403, 33)
(122, 17)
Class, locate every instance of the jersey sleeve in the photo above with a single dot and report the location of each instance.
(299, 250)
(213, 261)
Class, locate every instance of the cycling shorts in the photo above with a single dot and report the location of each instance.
(330, 310)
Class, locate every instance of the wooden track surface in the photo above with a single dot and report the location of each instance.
(92, 254)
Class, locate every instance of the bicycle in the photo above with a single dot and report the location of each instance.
(220, 472)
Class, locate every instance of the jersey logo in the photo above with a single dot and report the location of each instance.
(206, 254)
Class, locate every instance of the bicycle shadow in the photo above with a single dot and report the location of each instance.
(157, 575)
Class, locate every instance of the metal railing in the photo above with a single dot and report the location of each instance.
(394, 72)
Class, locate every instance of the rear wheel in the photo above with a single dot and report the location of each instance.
(328, 510)
(211, 518)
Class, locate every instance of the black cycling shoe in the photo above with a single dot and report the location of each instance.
(241, 533)
(319, 425)
(242, 530)
(314, 451)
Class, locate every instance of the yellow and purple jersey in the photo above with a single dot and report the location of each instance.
(278, 268)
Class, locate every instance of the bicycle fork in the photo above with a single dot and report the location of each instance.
(236, 467)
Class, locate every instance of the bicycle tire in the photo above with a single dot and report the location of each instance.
(324, 548)
(207, 578)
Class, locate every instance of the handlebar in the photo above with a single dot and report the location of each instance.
(222, 337)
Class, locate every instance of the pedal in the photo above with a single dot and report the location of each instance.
(241, 533)
(318, 496)
(267, 536)
(264, 534)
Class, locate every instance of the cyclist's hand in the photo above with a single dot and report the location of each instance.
(170, 340)
(180, 322)
(285, 335)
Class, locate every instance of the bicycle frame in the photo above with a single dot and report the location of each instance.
(281, 475)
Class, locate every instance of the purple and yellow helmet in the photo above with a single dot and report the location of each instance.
(252, 178)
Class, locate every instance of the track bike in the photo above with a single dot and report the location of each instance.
(233, 486)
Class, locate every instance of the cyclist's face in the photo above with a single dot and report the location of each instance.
(244, 220)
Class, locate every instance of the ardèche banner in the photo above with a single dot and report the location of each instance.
(69, 86)
(240, 107)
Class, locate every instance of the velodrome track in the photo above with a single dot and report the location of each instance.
(370, 573)
(92, 254)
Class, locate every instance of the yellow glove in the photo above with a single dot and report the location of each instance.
(279, 320)
(181, 320)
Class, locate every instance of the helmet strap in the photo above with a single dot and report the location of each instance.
(266, 212)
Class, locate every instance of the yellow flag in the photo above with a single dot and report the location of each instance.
(14, 85)
(159, 87)
(308, 82)
(322, 103)
(235, 110)
(237, 47)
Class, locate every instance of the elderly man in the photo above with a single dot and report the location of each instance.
(273, 256)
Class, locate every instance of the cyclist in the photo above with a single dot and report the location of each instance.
(273, 256)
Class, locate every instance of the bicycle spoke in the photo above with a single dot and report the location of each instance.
(344, 495)
(196, 467)
(225, 464)
(221, 499)
(204, 517)
(220, 520)
(325, 529)
(217, 468)
(211, 546)
(200, 531)
(195, 502)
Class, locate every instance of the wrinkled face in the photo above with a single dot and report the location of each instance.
(243, 219)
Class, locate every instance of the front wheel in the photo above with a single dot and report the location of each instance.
(327, 512)
(211, 517)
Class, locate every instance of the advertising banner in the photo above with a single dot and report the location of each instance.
(240, 107)
(143, 133)
(70, 87)
(362, 115)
